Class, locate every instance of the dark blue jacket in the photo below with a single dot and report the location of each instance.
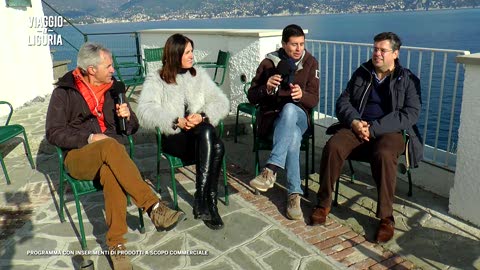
(404, 108)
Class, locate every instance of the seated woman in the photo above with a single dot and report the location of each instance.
(186, 104)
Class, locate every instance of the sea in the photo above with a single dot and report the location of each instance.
(456, 29)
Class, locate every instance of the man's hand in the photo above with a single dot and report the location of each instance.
(193, 120)
(97, 137)
(123, 111)
(273, 82)
(297, 92)
(360, 128)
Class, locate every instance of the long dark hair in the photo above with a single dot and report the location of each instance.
(172, 57)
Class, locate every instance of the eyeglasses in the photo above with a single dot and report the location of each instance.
(381, 50)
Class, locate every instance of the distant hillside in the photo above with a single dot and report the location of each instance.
(143, 10)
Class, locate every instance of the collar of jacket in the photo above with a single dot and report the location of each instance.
(368, 67)
(68, 81)
(275, 58)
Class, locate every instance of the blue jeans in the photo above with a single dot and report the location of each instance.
(287, 138)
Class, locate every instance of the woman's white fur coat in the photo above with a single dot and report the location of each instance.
(161, 103)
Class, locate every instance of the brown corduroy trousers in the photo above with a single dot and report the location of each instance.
(382, 153)
(108, 161)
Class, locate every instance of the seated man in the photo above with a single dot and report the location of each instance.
(286, 89)
(85, 122)
(381, 99)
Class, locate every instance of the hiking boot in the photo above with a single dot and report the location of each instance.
(120, 261)
(165, 218)
(294, 211)
(264, 180)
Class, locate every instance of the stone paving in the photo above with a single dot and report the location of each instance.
(257, 234)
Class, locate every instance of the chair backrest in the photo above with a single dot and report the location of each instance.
(126, 69)
(223, 59)
(246, 86)
(152, 55)
(10, 113)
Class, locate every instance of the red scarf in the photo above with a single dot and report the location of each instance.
(93, 95)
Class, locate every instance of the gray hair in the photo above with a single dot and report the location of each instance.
(89, 55)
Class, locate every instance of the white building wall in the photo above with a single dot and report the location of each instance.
(465, 194)
(25, 71)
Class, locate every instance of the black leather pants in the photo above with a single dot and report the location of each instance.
(207, 149)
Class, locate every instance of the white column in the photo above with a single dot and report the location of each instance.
(465, 194)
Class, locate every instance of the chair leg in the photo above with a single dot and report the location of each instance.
(409, 183)
(80, 223)
(225, 180)
(4, 170)
(62, 198)
(131, 91)
(307, 176)
(236, 127)
(141, 224)
(174, 186)
(337, 186)
(159, 157)
(27, 150)
(352, 177)
(257, 165)
(313, 155)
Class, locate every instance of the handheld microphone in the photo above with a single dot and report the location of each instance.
(285, 70)
(122, 121)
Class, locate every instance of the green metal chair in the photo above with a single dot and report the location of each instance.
(222, 62)
(260, 143)
(130, 73)
(247, 108)
(403, 169)
(152, 55)
(8, 132)
(175, 163)
(84, 187)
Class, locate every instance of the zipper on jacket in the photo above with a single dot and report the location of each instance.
(366, 90)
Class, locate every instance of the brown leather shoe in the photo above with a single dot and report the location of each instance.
(319, 215)
(385, 230)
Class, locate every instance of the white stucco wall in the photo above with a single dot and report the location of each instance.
(25, 71)
(465, 194)
(247, 48)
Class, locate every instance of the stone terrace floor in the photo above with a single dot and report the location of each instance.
(257, 234)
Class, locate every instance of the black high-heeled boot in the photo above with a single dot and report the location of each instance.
(200, 209)
(204, 135)
(216, 222)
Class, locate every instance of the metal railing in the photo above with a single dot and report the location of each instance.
(442, 87)
(124, 44)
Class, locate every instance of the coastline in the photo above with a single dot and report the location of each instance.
(113, 21)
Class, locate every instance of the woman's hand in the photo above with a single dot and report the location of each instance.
(193, 120)
(182, 123)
